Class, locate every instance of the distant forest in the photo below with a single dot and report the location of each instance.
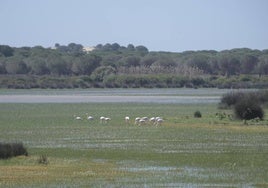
(115, 66)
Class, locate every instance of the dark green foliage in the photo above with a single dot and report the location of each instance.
(247, 109)
(201, 61)
(8, 150)
(148, 69)
(2, 68)
(101, 72)
(72, 48)
(16, 66)
(231, 99)
(262, 67)
(6, 51)
(142, 50)
(229, 64)
(246, 105)
(197, 114)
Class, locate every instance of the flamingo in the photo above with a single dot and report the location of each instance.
(77, 117)
(127, 119)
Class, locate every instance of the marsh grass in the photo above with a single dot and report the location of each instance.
(43, 159)
(183, 152)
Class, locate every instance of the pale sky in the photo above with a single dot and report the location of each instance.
(160, 25)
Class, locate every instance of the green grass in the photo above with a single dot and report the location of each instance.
(184, 151)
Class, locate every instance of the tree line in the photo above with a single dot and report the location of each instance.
(113, 65)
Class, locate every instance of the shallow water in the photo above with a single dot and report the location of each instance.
(177, 176)
(167, 96)
(107, 99)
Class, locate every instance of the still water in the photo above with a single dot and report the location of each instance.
(177, 96)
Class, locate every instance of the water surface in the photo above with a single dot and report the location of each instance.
(177, 96)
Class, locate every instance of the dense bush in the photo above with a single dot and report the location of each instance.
(197, 114)
(121, 81)
(231, 99)
(247, 109)
(247, 105)
(8, 150)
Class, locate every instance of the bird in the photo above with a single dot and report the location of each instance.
(137, 119)
(107, 119)
(77, 117)
(102, 119)
(127, 119)
(159, 121)
(89, 117)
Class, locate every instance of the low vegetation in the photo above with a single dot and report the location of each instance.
(247, 109)
(43, 159)
(8, 150)
(197, 114)
(183, 152)
(246, 105)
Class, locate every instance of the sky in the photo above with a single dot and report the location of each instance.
(160, 25)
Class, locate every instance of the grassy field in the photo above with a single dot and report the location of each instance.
(183, 152)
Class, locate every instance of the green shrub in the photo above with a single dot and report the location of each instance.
(198, 82)
(197, 114)
(231, 99)
(247, 109)
(8, 150)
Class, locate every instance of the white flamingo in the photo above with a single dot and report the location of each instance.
(102, 119)
(90, 118)
(77, 117)
(127, 119)
(107, 119)
(142, 122)
(159, 121)
(145, 119)
(137, 119)
(152, 119)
